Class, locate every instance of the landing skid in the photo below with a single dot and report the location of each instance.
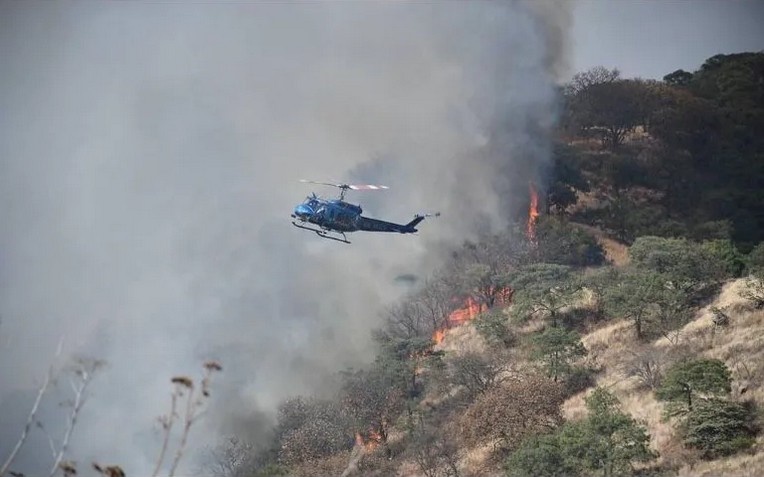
(322, 233)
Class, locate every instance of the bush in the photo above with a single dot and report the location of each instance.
(579, 378)
(492, 326)
(513, 412)
(686, 380)
(608, 441)
(727, 255)
(561, 243)
(754, 262)
(720, 428)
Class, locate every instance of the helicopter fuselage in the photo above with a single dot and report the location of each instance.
(336, 215)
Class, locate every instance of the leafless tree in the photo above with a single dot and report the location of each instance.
(436, 451)
(82, 371)
(646, 364)
(195, 400)
(31, 417)
(476, 372)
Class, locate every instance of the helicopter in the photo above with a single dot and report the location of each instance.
(332, 218)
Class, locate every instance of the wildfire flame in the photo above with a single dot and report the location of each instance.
(467, 313)
(368, 444)
(533, 214)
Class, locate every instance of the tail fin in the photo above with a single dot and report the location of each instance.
(418, 218)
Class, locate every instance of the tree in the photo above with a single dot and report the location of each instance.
(719, 428)
(678, 78)
(310, 428)
(689, 267)
(561, 243)
(556, 349)
(374, 398)
(475, 372)
(479, 269)
(724, 252)
(492, 326)
(541, 455)
(633, 295)
(513, 412)
(542, 289)
(616, 107)
(436, 451)
(689, 380)
(608, 442)
(566, 178)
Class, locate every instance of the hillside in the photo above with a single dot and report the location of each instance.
(617, 329)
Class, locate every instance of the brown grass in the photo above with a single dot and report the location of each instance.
(740, 345)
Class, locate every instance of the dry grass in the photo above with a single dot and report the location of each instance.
(462, 339)
(740, 345)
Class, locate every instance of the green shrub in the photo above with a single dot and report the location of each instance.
(492, 326)
(686, 381)
(725, 253)
(561, 243)
(719, 428)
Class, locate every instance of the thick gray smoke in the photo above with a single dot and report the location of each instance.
(149, 157)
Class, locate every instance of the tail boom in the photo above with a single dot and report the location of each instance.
(374, 225)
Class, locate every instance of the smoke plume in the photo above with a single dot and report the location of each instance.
(149, 158)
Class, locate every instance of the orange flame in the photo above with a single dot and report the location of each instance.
(467, 313)
(370, 444)
(533, 214)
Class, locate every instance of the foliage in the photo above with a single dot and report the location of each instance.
(541, 455)
(436, 451)
(565, 179)
(689, 265)
(310, 429)
(719, 428)
(606, 443)
(579, 378)
(726, 254)
(542, 290)
(633, 295)
(608, 440)
(492, 326)
(561, 243)
(688, 380)
(754, 262)
(475, 372)
(512, 412)
(479, 269)
(373, 398)
(556, 349)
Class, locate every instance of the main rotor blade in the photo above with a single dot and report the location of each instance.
(367, 187)
(347, 186)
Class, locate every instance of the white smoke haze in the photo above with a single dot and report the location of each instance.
(149, 158)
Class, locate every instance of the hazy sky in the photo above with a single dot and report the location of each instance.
(653, 38)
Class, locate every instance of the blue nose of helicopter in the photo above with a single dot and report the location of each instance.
(303, 211)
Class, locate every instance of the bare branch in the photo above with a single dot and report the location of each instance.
(167, 422)
(32, 412)
(79, 399)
